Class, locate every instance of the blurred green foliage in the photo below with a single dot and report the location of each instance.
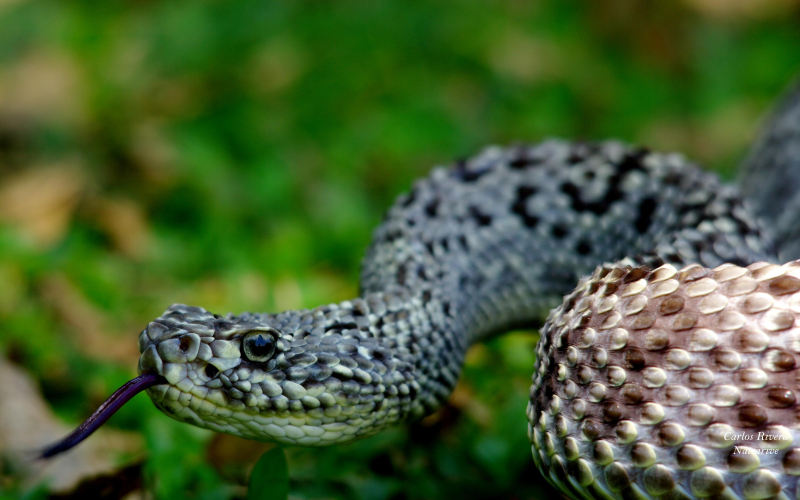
(236, 155)
(269, 479)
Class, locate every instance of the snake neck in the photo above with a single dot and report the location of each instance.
(497, 240)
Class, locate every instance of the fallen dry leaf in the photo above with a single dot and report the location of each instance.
(41, 201)
(525, 58)
(44, 86)
(154, 154)
(125, 224)
(93, 335)
(727, 131)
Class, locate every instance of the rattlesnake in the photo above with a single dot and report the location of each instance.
(669, 372)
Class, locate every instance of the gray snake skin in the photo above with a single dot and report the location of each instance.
(669, 372)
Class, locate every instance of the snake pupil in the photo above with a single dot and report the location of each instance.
(258, 347)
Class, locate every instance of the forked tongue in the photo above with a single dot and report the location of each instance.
(104, 412)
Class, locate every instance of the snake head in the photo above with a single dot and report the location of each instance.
(298, 377)
(309, 377)
(215, 367)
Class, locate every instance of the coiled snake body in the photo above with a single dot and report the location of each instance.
(668, 373)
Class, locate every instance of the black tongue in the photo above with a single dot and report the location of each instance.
(104, 412)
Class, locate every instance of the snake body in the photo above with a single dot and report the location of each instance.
(492, 242)
(669, 372)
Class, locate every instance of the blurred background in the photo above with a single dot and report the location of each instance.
(237, 155)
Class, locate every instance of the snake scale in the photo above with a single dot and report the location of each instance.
(669, 372)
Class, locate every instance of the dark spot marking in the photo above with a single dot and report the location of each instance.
(583, 247)
(783, 362)
(559, 231)
(752, 415)
(518, 207)
(672, 179)
(222, 326)
(432, 208)
(635, 359)
(635, 275)
(518, 163)
(631, 162)
(481, 218)
(341, 326)
(393, 235)
(523, 160)
(784, 285)
(575, 157)
(670, 434)
(591, 429)
(678, 259)
(426, 296)
(610, 288)
(791, 461)
(647, 208)
(470, 175)
(781, 397)
(612, 413)
(410, 198)
(401, 274)
(632, 394)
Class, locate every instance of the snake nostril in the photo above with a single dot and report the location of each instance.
(211, 371)
(185, 344)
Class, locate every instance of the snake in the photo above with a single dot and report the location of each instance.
(670, 371)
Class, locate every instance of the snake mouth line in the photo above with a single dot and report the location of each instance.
(104, 412)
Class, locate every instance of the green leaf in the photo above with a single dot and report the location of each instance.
(270, 477)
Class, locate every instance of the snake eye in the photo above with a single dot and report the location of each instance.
(258, 346)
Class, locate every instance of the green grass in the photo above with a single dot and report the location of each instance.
(237, 155)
